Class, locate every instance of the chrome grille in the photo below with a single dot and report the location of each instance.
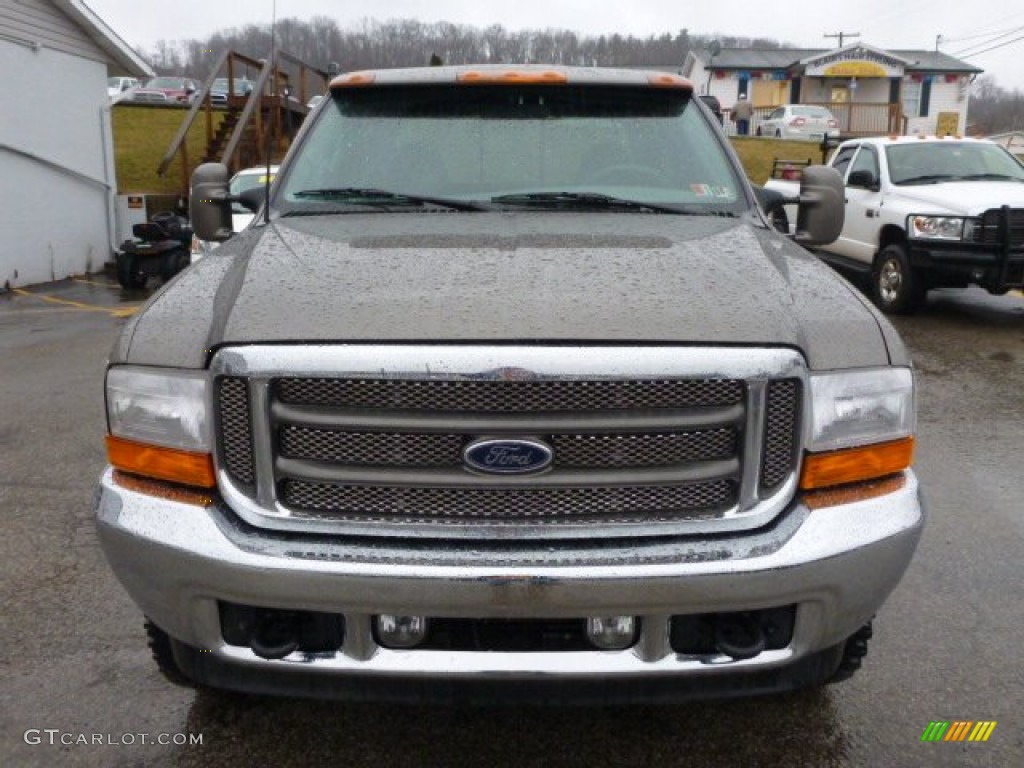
(235, 431)
(445, 450)
(509, 396)
(413, 505)
(368, 440)
(780, 435)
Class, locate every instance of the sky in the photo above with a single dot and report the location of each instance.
(967, 29)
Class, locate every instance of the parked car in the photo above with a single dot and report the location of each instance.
(799, 121)
(171, 90)
(118, 85)
(219, 90)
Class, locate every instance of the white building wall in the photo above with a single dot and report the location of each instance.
(727, 89)
(945, 97)
(872, 92)
(56, 165)
(950, 97)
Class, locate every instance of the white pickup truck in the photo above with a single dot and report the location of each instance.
(927, 213)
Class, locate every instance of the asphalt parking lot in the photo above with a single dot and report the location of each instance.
(74, 662)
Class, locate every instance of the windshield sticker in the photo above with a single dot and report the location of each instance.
(707, 190)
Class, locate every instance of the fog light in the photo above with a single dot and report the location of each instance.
(611, 633)
(401, 631)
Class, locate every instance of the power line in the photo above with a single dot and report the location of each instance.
(990, 31)
(995, 47)
(969, 50)
(975, 37)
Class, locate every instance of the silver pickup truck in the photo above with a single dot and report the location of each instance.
(510, 390)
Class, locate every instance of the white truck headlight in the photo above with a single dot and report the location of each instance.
(937, 227)
(159, 424)
(861, 426)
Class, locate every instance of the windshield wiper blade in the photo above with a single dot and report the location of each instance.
(373, 196)
(932, 178)
(990, 177)
(582, 200)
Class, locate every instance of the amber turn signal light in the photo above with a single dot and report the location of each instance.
(185, 467)
(511, 77)
(853, 465)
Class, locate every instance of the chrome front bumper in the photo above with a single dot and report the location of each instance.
(177, 560)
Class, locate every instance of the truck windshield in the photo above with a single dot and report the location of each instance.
(940, 161)
(505, 144)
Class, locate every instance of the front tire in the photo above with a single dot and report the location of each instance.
(896, 287)
(160, 646)
(854, 650)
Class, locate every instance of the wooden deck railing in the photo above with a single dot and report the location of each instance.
(261, 108)
(855, 119)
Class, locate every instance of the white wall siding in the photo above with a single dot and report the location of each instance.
(56, 196)
(40, 22)
(945, 97)
(59, 225)
(949, 97)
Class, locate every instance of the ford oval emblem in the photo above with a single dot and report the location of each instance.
(507, 456)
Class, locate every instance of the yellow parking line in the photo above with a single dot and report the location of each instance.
(115, 286)
(113, 312)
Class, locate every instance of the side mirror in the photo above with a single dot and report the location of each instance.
(253, 198)
(863, 179)
(821, 211)
(773, 203)
(210, 202)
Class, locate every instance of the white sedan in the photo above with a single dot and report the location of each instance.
(799, 121)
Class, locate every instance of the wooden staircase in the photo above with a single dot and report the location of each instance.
(254, 126)
(215, 146)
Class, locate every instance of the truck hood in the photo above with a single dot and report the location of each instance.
(508, 277)
(966, 198)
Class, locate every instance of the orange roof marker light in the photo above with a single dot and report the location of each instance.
(669, 81)
(354, 80)
(512, 77)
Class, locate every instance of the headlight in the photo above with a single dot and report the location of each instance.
(861, 426)
(937, 227)
(159, 424)
(860, 407)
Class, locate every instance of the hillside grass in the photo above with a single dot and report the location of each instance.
(757, 154)
(143, 134)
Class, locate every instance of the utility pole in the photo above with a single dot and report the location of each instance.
(843, 35)
(938, 40)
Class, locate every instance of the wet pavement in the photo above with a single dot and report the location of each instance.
(74, 665)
